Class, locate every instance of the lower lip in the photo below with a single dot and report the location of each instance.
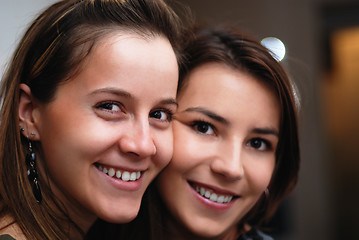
(210, 204)
(120, 184)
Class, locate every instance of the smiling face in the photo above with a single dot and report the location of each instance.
(224, 153)
(107, 133)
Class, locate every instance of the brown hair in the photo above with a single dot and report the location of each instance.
(51, 52)
(230, 47)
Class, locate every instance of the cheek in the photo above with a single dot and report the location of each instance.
(191, 149)
(259, 174)
(83, 138)
(164, 147)
(186, 149)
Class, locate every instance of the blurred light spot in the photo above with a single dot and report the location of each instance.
(275, 47)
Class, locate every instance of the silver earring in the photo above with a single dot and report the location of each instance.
(32, 172)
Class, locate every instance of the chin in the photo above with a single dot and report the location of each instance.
(120, 218)
(124, 214)
(208, 230)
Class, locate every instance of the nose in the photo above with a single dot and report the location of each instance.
(228, 162)
(138, 140)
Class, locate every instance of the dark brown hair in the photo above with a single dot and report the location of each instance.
(51, 52)
(232, 48)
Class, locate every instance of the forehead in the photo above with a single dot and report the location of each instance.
(226, 91)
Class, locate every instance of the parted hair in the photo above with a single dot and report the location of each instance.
(52, 50)
(239, 51)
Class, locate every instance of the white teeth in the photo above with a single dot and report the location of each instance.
(133, 176)
(202, 191)
(207, 194)
(111, 172)
(125, 176)
(213, 196)
(220, 199)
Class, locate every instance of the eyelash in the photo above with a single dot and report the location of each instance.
(168, 112)
(104, 105)
(268, 145)
(196, 124)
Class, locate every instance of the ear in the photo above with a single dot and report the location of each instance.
(26, 113)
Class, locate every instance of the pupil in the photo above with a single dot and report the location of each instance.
(156, 115)
(108, 106)
(256, 143)
(203, 128)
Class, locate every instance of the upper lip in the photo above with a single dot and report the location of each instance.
(121, 168)
(214, 188)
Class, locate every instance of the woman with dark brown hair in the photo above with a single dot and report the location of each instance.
(87, 104)
(236, 152)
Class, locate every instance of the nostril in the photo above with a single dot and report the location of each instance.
(133, 153)
(138, 143)
(227, 170)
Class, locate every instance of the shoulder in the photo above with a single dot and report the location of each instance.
(255, 234)
(9, 229)
(6, 237)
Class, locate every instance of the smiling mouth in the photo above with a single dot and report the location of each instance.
(119, 174)
(211, 194)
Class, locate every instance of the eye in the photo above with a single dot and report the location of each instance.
(259, 144)
(162, 114)
(110, 106)
(110, 110)
(203, 127)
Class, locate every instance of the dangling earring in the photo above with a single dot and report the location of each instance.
(32, 172)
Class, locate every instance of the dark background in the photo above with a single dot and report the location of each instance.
(322, 43)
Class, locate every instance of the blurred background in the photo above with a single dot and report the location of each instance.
(321, 38)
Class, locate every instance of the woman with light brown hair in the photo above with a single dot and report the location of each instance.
(87, 104)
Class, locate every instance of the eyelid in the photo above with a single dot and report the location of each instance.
(167, 111)
(108, 114)
(101, 104)
(170, 113)
(268, 144)
(195, 123)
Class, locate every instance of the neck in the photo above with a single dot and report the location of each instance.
(175, 230)
(82, 220)
(81, 217)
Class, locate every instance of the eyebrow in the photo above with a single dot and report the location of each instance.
(208, 113)
(169, 101)
(216, 117)
(118, 92)
(266, 131)
(122, 93)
